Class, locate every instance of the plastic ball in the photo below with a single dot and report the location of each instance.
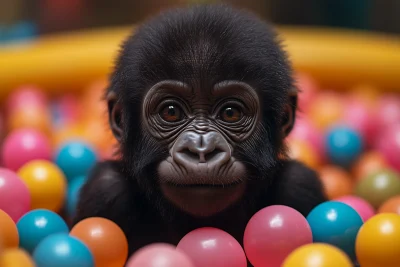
(389, 145)
(46, 183)
(306, 131)
(336, 181)
(92, 99)
(364, 209)
(365, 93)
(337, 224)
(378, 187)
(105, 240)
(16, 258)
(38, 118)
(75, 159)
(300, 150)
(368, 163)
(209, 246)
(8, 232)
(15, 199)
(25, 96)
(392, 205)
(307, 90)
(159, 255)
(67, 133)
(343, 145)
(378, 241)
(24, 145)
(62, 250)
(326, 109)
(273, 233)
(317, 255)
(73, 191)
(36, 225)
(388, 110)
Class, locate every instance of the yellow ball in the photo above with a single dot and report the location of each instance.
(317, 255)
(46, 183)
(378, 241)
(16, 258)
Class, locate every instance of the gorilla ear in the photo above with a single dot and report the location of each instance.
(289, 112)
(114, 115)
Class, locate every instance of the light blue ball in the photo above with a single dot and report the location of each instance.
(36, 225)
(343, 145)
(62, 250)
(75, 158)
(72, 198)
(337, 224)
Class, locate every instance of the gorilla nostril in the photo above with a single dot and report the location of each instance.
(213, 155)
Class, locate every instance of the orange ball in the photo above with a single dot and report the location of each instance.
(30, 117)
(326, 109)
(392, 205)
(300, 150)
(93, 100)
(368, 163)
(98, 133)
(9, 237)
(336, 181)
(16, 258)
(105, 240)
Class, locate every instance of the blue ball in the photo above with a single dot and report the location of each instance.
(343, 145)
(75, 158)
(74, 188)
(62, 250)
(36, 225)
(337, 224)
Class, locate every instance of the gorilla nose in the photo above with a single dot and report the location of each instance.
(194, 148)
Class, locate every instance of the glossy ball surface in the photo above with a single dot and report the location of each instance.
(392, 205)
(62, 250)
(221, 249)
(364, 209)
(337, 224)
(368, 163)
(389, 145)
(36, 225)
(72, 198)
(46, 183)
(273, 233)
(15, 199)
(378, 242)
(8, 232)
(16, 257)
(75, 159)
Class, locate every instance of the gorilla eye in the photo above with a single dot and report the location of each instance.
(231, 114)
(171, 113)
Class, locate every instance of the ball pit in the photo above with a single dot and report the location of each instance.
(365, 120)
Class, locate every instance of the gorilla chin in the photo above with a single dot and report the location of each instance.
(199, 192)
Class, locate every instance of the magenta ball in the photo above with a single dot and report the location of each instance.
(15, 199)
(27, 95)
(24, 145)
(212, 247)
(273, 233)
(362, 119)
(159, 255)
(308, 89)
(389, 145)
(304, 129)
(363, 208)
(388, 111)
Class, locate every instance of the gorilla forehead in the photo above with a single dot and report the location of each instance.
(201, 46)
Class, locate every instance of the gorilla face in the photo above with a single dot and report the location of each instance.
(201, 126)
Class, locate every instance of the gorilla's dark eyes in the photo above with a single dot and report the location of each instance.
(171, 113)
(231, 114)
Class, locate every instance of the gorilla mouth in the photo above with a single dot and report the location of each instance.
(211, 186)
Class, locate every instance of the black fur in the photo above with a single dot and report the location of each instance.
(200, 46)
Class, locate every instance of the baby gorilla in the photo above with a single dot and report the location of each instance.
(200, 101)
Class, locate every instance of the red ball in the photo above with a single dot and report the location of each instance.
(212, 247)
(24, 145)
(273, 233)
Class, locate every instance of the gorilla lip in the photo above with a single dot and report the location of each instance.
(216, 186)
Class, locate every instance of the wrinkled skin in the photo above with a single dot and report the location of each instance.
(200, 101)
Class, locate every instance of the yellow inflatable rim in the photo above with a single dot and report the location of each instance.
(69, 61)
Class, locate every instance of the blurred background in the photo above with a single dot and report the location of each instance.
(24, 18)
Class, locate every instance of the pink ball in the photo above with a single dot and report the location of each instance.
(273, 233)
(364, 209)
(159, 255)
(388, 112)
(361, 118)
(24, 145)
(15, 199)
(307, 90)
(27, 95)
(304, 129)
(389, 145)
(212, 247)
